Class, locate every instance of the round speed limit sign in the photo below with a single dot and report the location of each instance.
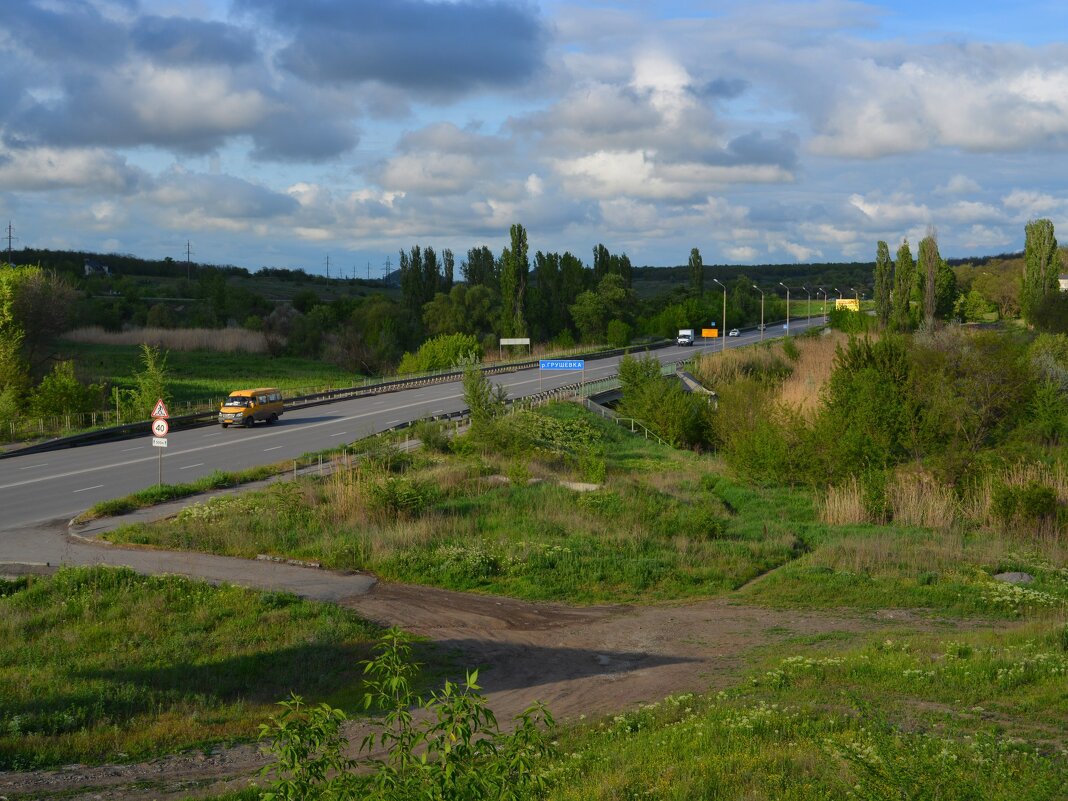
(160, 427)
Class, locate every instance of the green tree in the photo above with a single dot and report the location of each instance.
(484, 399)
(925, 275)
(37, 304)
(904, 277)
(697, 272)
(1041, 266)
(448, 265)
(60, 392)
(884, 283)
(480, 268)
(514, 269)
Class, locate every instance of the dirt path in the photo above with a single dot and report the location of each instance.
(579, 661)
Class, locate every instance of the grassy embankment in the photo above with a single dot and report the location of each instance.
(664, 524)
(102, 664)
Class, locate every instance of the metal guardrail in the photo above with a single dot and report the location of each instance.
(209, 416)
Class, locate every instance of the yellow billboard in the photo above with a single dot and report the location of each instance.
(710, 333)
(847, 303)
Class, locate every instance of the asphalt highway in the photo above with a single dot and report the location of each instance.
(61, 484)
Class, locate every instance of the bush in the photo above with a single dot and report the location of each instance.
(441, 353)
(618, 334)
(60, 392)
(1028, 504)
(454, 751)
(433, 436)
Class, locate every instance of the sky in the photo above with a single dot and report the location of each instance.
(302, 133)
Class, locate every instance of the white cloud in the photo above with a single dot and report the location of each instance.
(742, 253)
(959, 185)
(41, 169)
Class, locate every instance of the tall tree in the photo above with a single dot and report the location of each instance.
(480, 268)
(926, 272)
(431, 277)
(601, 262)
(448, 262)
(697, 272)
(1041, 266)
(411, 278)
(884, 283)
(904, 276)
(514, 269)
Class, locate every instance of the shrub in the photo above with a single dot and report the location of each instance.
(60, 392)
(433, 435)
(441, 353)
(454, 750)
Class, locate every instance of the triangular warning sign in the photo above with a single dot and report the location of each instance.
(160, 410)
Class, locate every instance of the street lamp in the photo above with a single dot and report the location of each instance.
(787, 306)
(824, 291)
(856, 294)
(723, 323)
(808, 309)
(761, 291)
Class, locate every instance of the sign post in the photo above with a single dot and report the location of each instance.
(160, 427)
(568, 365)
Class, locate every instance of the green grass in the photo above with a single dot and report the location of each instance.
(151, 496)
(664, 525)
(661, 527)
(977, 716)
(102, 663)
(199, 376)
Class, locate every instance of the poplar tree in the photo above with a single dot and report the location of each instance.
(904, 275)
(1041, 266)
(697, 272)
(884, 283)
(928, 268)
(448, 263)
(514, 269)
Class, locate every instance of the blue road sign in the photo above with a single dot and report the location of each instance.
(561, 364)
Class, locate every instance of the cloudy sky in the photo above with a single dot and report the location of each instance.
(283, 132)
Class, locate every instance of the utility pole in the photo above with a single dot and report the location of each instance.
(10, 237)
(327, 266)
(188, 261)
(368, 269)
(386, 273)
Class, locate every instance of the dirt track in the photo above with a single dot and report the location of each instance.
(579, 661)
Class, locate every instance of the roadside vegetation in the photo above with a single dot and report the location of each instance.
(101, 664)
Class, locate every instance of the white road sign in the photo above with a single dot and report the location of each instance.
(159, 442)
(160, 427)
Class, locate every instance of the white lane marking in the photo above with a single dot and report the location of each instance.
(392, 422)
(276, 447)
(190, 466)
(216, 434)
(127, 450)
(340, 434)
(32, 466)
(86, 489)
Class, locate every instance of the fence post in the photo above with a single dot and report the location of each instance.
(294, 469)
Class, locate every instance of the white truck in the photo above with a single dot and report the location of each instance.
(685, 336)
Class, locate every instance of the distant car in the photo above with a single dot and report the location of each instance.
(734, 332)
(761, 327)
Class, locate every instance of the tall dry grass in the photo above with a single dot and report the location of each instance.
(223, 340)
(716, 369)
(979, 501)
(843, 505)
(917, 499)
(812, 371)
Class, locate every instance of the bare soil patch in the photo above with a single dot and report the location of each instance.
(586, 661)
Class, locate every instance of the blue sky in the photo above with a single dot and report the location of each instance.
(277, 132)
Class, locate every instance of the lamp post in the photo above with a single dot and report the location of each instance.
(824, 291)
(761, 291)
(787, 306)
(856, 294)
(723, 323)
(808, 308)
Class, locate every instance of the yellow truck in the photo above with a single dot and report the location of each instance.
(245, 406)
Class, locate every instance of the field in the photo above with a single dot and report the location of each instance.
(201, 375)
